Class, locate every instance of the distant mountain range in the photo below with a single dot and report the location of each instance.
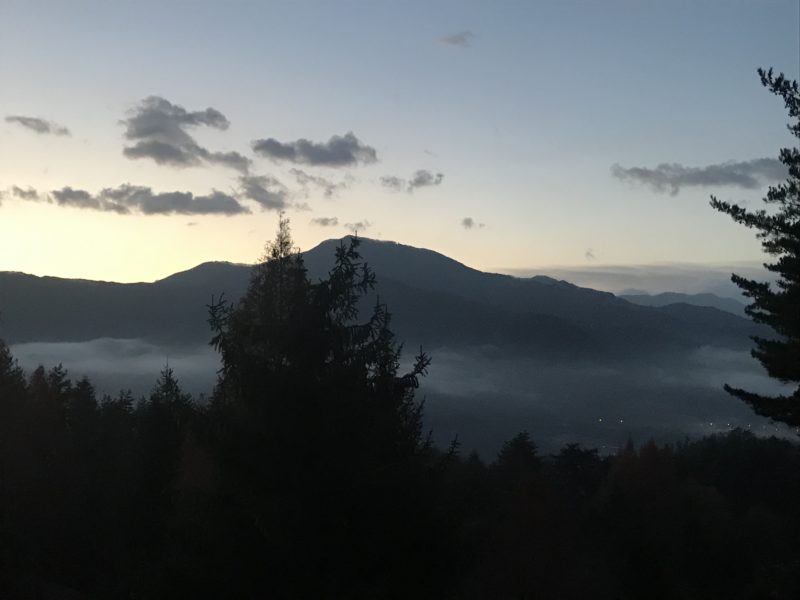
(727, 304)
(435, 301)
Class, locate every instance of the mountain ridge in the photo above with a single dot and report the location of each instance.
(434, 298)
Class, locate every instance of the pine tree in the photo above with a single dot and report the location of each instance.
(317, 432)
(777, 306)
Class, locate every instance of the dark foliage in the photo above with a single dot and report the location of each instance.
(779, 232)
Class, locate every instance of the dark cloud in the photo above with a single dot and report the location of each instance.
(143, 200)
(25, 194)
(68, 196)
(158, 130)
(328, 187)
(128, 199)
(38, 125)
(671, 177)
(358, 226)
(470, 223)
(421, 178)
(461, 39)
(327, 221)
(267, 191)
(339, 151)
(233, 160)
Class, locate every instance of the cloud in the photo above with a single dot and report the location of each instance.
(421, 178)
(267, 191)
(142, 199)
(358, 226)
(29, 194)
(671, 177)
(339, 151)
(68, 196)
(393, 183)
(470, 223)
(38, 125)
(328, 187)
(158, 130)
(461, 39)
(128, 199)
(327, 222)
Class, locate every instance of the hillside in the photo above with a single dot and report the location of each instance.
(435, 300)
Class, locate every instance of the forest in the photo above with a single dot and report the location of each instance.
(309, 474)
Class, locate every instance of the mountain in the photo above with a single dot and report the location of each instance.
(435, 300)
(665, 299)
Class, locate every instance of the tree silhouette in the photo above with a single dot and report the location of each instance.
(318, 434)
(778, 307)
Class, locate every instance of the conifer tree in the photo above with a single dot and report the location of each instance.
(317, 432)
(778, 306)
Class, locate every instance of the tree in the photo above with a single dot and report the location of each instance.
(776, 306)
(318, 434)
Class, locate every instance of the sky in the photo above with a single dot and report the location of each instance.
(142, 138)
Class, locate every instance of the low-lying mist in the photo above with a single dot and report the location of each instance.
(484, 397)
(124, 364)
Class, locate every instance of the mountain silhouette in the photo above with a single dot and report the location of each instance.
(434, 300)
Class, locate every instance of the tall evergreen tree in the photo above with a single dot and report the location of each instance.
(318, 434)
(778, 228)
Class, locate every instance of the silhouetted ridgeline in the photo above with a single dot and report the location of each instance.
(666, 298)
(435, 300)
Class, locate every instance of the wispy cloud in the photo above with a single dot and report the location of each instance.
(393, 183)
(339, 151)
(38, 125)
(133, 199)
(326, 221)
(358, 226)
(329, 188)
(158, 131)
(25, 194)
(421, 178)
(671, 177)
(460, 39)
(267, 191)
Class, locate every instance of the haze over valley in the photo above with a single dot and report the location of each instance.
(564, 362)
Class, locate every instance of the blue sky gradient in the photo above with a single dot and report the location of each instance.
(524, 121)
